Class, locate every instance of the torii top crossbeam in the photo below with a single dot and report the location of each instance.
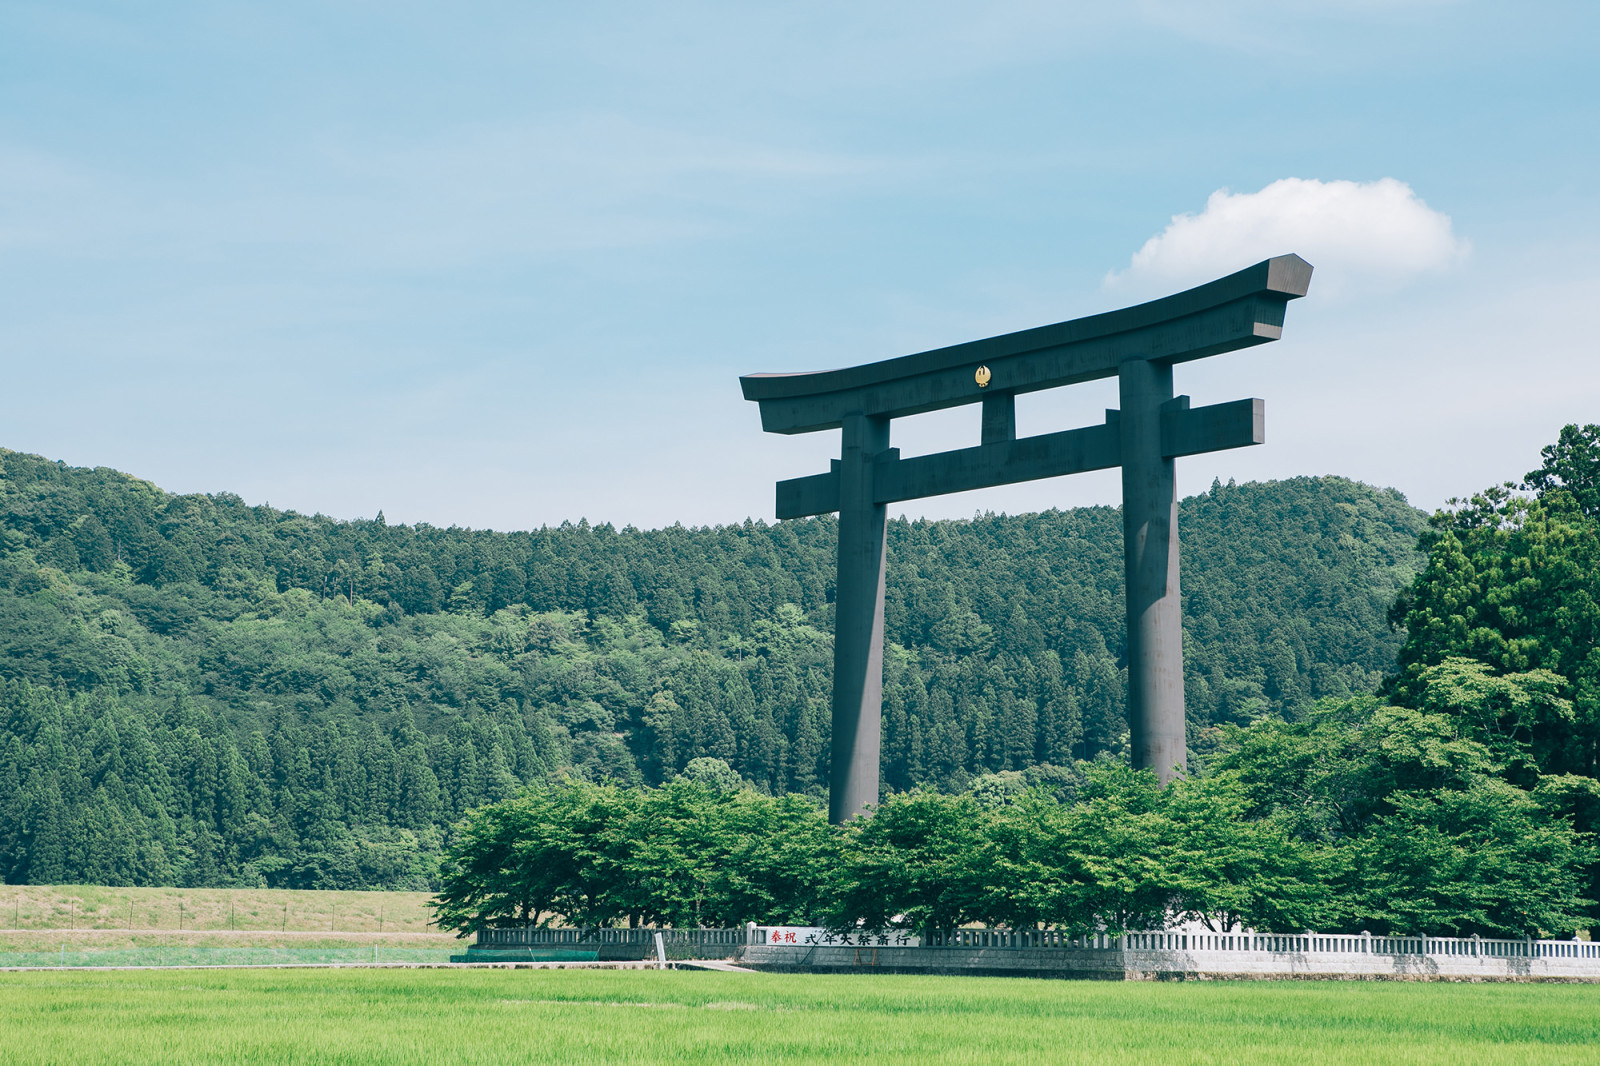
(1139, 345)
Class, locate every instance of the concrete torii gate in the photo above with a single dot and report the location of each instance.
(1139, 345)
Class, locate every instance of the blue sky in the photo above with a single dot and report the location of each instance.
(501, 265)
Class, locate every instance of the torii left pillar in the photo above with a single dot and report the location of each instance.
(858, 621)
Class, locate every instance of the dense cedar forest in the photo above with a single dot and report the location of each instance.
(197, 691)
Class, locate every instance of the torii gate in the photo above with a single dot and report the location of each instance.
(1139, 345)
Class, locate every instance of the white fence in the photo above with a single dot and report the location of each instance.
(1202, 953)
(1345, 944)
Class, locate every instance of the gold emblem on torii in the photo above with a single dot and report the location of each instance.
(982, 377)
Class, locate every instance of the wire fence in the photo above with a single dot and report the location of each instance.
(180, 955)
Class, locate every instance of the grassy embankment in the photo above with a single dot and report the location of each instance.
(43, 917)
(497, 1016)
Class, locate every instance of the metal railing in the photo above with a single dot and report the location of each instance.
(1015, 938)
(528, 936)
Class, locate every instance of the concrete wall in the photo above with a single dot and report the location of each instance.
(1159, 965)
(1116, 964)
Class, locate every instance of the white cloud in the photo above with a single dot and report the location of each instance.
(1352, 232)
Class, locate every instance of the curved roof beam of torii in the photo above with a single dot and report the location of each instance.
(1237, 311)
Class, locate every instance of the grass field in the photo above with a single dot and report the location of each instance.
(352, 1017)
(118, 940)
(51, 907)
(91, 925)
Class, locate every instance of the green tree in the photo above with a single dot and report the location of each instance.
(1487, 860)
(1514, 584)
(1228, 869)
(511, 862)
(917, 862)
(558, 850)
(683, 855)
(714, 775)
(1101, 863)
(1571, 464)
(699, 855)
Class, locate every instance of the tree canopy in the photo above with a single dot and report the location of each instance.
(1481, 857)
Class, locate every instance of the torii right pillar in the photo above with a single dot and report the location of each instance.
(1156, 731)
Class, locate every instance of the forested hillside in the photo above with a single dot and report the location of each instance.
(197, 691)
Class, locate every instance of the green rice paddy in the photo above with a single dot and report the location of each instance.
(553, 1016)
